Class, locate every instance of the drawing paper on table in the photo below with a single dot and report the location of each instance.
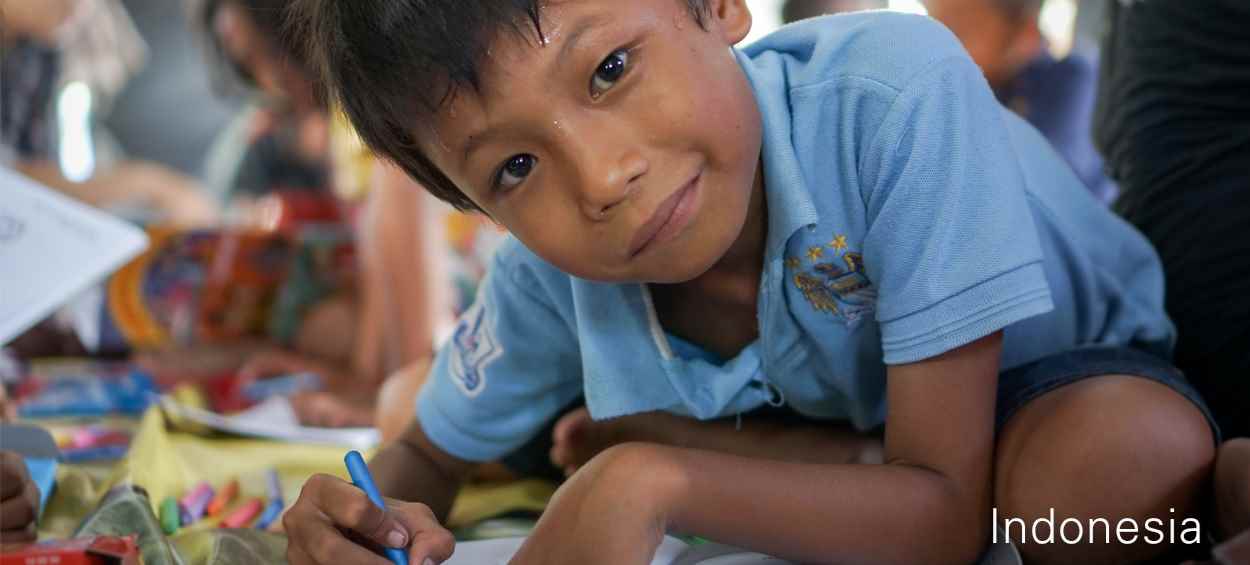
(272, 419)
(52, 247)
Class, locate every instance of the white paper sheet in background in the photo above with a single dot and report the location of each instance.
(52, 247)
(273, 419)
(673, 551)
(500, 551)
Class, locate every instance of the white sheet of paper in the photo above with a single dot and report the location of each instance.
(499, 551)
(673, 551)
(273, 419)
(52, 247)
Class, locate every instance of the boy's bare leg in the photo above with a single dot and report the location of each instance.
(1232, 487)
(577, 438)
(1110, 447)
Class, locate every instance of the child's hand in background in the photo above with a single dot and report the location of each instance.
(334, 410)
(19, 500)
(334, 523)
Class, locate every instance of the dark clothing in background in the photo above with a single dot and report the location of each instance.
(1173, 121)
(28, 80)
(271, 164)
(1057, 96)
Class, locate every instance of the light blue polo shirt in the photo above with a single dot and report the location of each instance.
(908, 214)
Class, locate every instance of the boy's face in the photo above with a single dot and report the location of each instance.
(624, 148)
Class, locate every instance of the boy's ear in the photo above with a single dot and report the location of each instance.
(733, 19)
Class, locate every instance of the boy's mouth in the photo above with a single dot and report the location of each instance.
(669, 218)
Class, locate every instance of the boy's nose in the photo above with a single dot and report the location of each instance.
(608, 182)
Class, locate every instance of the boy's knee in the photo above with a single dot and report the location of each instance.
(1115, 427)
(1107, 448)
(1167, 426)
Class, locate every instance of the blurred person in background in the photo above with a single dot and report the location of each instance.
(1174, 122)
(288, 140)
(86, 49)
(280, 141)
(1055, 95)
(91, 46)
(795, 10)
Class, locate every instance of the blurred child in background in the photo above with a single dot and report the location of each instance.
(1056, 95)
(387, 325)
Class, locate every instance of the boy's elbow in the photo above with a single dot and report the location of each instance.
(963, 532)
(951, 525)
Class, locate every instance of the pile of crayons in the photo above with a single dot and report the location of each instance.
(202, 501)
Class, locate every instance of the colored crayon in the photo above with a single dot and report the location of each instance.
(243, 514)
(197, 500)
(275, 504)
(274, 484)
(272, 511)
(224, 497)
(169, 515)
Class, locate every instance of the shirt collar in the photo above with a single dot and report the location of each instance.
(790, 205)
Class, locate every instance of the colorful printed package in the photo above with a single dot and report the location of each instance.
(218, 286)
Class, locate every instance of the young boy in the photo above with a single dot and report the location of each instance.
(840, 219)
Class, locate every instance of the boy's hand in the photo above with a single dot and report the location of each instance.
(613, 510)
(577, 438)
(333, 523)
(329, 410)
(19, 500)
(275, 362)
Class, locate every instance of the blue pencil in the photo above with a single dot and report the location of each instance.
(274, 508)
(364, 481)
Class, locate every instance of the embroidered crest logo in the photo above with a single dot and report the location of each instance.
(839, 289)
(474, 348)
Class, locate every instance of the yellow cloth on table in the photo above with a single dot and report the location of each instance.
(168, 461)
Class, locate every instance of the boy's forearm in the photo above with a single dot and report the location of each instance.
(760, 438)
(826, 513)
(407, 469)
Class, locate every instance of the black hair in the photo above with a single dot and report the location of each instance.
(392, 64)
(270, 17)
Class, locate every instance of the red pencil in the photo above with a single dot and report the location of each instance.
(224, 497)
(243, 515)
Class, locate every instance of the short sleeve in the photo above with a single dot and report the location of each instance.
(510, 365)
(950, 243)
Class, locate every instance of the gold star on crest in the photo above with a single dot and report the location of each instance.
(838, 243)
(793, 263)
(815, 253)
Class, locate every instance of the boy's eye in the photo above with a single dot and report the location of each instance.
(514, 171)
(608, 72)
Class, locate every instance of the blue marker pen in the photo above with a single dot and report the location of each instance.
(364, 481)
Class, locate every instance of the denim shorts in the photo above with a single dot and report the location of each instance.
(1020, 385)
